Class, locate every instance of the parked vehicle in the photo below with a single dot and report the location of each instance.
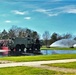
(18, 46)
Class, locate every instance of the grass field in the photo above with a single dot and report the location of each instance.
(64, 65)
(29, 71)
(56, 48)
(39, 57)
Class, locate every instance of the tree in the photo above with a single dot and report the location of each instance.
(34, 35)
(17, 31)
(54, 37)
(28, 32)
(46, 36)
(67, 36)
(4, 34)
(74, 38)
(22, 33)
(0, 35)
(11, 33)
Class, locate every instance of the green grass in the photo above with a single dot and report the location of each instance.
(64, 65)
(56, 48)
(29, 71)
(39, 57)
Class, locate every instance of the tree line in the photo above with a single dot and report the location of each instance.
(49, 39)
(15, 31)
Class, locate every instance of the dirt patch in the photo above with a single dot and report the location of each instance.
(65, 70)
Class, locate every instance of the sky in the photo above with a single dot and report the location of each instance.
(39, 15)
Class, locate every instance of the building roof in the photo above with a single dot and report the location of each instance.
(63, 43)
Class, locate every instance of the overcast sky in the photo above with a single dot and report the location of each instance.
(40, 15)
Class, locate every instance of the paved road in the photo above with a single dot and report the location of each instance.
(38, 64)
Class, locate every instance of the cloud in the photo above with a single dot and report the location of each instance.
(41, 10)
(56, 14)
(20, 12)
(27, 18)
(46, 11)
(8, 21)
(70, 9)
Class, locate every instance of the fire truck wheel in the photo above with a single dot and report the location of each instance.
(17, 47)
(22, 47)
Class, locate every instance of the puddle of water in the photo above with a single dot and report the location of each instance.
(44, 52)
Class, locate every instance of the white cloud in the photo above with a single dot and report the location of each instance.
(73, 11)
(56, 14)
(47, 12)
(27, 18)
(41, 10)
(65, 9)
(8, 21)
(20, 12)
(70, 9)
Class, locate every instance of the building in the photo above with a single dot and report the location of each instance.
(64, 43)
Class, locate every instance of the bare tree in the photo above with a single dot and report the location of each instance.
(46, 37)
(67, 36)
(22, 32)
(11, 33)
(17, 31)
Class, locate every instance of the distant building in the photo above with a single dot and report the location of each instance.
(74, 45)
(64, 43)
